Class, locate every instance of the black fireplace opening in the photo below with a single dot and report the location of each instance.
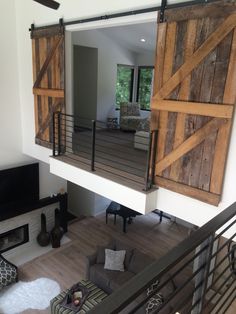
(14, 238)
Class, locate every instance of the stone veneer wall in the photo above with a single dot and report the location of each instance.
(33, 219)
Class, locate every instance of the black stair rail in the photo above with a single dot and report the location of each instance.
(168, 264)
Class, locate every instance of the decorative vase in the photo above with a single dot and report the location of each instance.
(43, 237)
(57, 231)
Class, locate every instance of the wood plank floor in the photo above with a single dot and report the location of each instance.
(66, 265)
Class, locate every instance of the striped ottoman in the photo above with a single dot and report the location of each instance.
(95, 297)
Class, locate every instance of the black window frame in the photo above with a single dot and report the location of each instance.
(138, 82)
(132, 67)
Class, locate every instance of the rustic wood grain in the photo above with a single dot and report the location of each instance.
(183, 95)
(190, 143)
(204, 46)
(47, 31)
(167, 72)
(43, 83)
(57, 93)
(223, 135)
(48, 59)
(210, 44)
(187, 190)
(48, 72)
(172, 116)
(158, 70)
(203, 109)
(222, 8)
(217, 84)
(193, 160)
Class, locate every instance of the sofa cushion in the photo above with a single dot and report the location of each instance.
(129, 252)
(139, 261)
(114, 260)
(120, 280)
(102, 277)
(101, 252)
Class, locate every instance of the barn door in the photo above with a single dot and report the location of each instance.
(48, 74)
(194, 98)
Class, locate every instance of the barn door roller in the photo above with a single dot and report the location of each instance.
(162, 11)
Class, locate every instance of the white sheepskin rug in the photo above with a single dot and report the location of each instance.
(28, 295)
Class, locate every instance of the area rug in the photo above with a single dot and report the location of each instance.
(28, 295)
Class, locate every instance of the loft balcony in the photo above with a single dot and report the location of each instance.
(110, 162)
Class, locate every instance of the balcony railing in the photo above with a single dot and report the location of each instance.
(92, 144)
(197, 276)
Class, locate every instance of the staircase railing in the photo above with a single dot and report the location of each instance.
(93, 143)
(197, 276)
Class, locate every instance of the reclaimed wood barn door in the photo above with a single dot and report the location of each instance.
(48, 51)
(194, 98)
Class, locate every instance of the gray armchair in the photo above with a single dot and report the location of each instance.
(130, 117)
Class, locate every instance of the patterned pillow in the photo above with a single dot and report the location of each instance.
(156, 300)
(114, 260)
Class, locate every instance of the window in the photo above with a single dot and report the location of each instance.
(134, 84)
(124, 84)
(144, 87)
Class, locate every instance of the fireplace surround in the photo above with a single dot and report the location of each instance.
(14, 238)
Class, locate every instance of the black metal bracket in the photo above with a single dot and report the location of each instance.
(31, 29)
(162, 11)
(61, 22)
(104, 17)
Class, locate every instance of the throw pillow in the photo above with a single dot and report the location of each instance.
(154, 303)
(153, 287)
(114, 260)
(156, 300)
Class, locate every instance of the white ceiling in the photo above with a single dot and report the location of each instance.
(129, 36)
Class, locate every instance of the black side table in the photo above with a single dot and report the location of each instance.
(112, 209)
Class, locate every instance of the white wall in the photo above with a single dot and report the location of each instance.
(85, 202)
(109, 55)
(11, 154)
(27, 12)
(49, 183)
(10, 116)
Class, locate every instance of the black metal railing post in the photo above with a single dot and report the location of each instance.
(154, 155)
(59, 133)
(201, 280)
(93, 144)
(147, 172)
(53, 134)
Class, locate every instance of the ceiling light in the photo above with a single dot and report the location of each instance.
(143, 40)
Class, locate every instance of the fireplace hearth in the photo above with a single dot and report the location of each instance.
(14, 238)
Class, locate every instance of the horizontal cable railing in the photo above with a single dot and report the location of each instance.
(197, 276)
(113, 151)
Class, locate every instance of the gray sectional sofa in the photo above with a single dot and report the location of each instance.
(109, 280)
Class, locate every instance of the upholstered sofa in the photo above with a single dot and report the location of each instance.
(109, 280)
(130, 117)
(135, 261)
